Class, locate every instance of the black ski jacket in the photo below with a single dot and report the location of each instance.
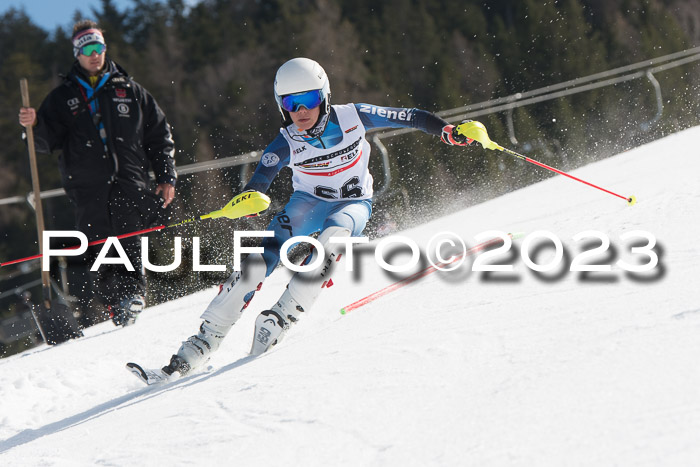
(137, 136)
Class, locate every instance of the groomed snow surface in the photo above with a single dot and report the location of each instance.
(459, 368)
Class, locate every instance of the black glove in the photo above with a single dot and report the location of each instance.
(451, 137)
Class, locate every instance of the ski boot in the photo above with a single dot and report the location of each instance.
(197, 349)
(177, 364)
(302, 291)
(126, 312)
(271, 325)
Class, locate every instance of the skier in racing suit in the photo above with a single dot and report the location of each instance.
(326, 149)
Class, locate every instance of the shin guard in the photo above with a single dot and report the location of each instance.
(302, 292)
(236, 292)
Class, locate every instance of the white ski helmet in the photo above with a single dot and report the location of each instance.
(301, 75)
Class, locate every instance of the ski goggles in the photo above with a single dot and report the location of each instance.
(308, 99)
(89, 49)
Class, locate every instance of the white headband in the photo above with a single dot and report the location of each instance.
(88, 36)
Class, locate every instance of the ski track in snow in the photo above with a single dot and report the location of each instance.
(454, 369)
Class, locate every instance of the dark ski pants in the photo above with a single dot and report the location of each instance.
(104, 212)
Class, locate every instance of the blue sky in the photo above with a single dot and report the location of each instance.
(49, 14)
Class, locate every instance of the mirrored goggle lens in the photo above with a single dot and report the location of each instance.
(308, 99)
(88, 50)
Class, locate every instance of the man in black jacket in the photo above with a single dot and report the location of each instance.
(111, 132)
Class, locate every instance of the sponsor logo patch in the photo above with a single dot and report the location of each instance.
(269, 159)
(390, 114)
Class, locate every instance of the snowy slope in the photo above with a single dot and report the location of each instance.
(455, 369)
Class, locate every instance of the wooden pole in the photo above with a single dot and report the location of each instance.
(45, 278)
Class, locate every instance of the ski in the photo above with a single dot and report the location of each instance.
(148, 376)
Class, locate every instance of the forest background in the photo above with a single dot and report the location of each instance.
(211, 69)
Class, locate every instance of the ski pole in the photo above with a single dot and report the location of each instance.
(477, 131)
(245, 204)
(497, 241)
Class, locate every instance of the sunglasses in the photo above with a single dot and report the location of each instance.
(89, 49)
(308, 99)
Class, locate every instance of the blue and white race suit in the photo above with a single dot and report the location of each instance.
(330, 172)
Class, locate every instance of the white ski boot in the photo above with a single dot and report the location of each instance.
(196, 350)
(271, 325)
(302, 291)
(221, 314)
